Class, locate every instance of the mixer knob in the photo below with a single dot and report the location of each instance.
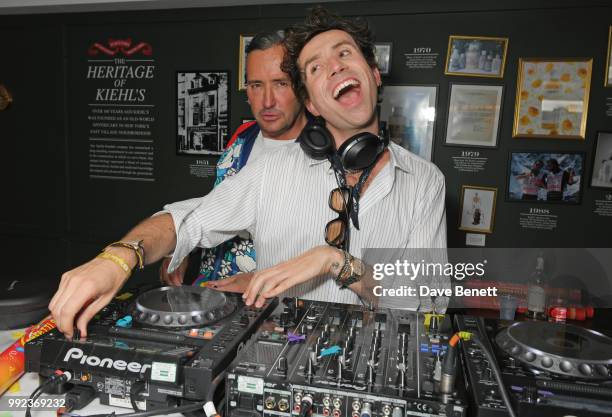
(282, 365)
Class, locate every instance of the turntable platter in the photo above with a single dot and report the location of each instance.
(185, 306)
(559, 348)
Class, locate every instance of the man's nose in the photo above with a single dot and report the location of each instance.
(336, 66)
(269, 99)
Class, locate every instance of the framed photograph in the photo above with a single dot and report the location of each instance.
(473, 115)
(383, 56)
(608, 79)
(477, 209)
(552, 98)
(602, 162)
(545, 177)
(409, 113)
(202, 112)
(244, 42)
(476, 56)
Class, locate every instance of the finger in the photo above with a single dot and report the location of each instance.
(90, 311)
(261, 300)
(175, 279)
(255, 286)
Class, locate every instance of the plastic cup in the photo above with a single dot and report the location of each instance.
(507, 307)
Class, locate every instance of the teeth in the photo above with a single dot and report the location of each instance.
(343, 85)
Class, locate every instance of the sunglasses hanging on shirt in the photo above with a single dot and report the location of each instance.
(358, 153)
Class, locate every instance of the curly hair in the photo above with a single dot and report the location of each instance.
(321, 20)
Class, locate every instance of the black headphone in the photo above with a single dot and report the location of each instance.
(355, 154)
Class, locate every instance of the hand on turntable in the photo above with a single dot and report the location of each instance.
(273, 281)
(237, 283)
(175, 277)
(95, 282)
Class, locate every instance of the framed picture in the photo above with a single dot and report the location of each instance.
(608, 80)
(545, 177)
(383, 56)
(473, 115)
(409, 113)
(244, 42)
(477, 209)
(476, 56)
(202, 112)
(602, 162)
(552, 98)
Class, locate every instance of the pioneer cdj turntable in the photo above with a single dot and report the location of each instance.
(549, 369)
(154, 349)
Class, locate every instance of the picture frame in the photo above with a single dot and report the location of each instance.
(244, 43)
(202, 112)
(608, 79)
(552, 98)
(476, 56)
(545, 177)
(382, 51)
(477, 208)
(409, 113)
(474, 113)
(601, 176)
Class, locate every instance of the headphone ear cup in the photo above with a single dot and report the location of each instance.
(316, 141)
(360, 151)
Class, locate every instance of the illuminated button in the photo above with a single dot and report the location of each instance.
(547, 362)
(602, 370)
(585, 369)
(565, 366)
(208, 335)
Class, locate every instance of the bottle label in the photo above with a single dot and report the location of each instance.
(536, 299)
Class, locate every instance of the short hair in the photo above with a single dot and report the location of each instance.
(265, 40)
(321, 20)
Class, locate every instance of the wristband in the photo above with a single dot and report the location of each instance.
(117, 260)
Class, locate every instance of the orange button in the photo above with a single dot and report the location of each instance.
(208, 335)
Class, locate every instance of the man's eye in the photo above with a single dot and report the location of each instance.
(254, 86)
(314, 68)
(282, 84)
(344, 53)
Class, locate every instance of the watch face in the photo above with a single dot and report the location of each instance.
(358, 267)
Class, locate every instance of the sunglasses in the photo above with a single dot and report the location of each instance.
(337, 230)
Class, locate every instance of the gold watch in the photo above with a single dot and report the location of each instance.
(135, 245)
(352, 271)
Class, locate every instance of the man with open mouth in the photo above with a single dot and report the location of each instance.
(401, 200)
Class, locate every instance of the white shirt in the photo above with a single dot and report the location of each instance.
(282, 200)
(265, 145)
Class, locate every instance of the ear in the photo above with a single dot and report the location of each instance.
(377, 77)
(311, 108)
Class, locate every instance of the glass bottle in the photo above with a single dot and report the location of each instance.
(536, 291)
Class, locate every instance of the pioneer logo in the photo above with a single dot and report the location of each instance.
(91, 360)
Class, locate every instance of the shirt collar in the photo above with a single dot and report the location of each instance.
(395, 160)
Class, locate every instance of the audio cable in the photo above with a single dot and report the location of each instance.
(449, 367)
(58, 377)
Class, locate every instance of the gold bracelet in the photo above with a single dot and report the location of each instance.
(117, 260)
(135, 246)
